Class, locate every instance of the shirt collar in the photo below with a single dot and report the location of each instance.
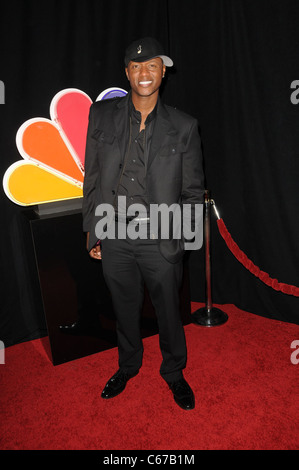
(137, 115)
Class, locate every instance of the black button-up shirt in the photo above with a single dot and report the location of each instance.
(132, 183)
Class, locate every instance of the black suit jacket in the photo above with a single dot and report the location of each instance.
(174, 167)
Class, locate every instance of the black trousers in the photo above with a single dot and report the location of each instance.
(127, 265)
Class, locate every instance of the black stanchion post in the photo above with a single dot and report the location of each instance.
(208, 315)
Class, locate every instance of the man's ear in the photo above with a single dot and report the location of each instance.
(126, 70)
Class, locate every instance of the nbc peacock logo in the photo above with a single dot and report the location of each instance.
(53, 151)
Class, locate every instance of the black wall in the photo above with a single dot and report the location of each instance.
(234, 65)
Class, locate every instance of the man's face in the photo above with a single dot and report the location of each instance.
(145, 77)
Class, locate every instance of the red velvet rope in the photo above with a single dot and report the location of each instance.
(240, 255)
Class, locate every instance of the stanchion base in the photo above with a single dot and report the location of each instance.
(209, 317)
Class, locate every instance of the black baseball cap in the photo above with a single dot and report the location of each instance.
(145, 49)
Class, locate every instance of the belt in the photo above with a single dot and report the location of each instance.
(131, 218)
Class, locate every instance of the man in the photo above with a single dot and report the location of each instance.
(140, 151)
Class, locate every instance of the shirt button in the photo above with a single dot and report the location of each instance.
(132, 179)
(134, 161)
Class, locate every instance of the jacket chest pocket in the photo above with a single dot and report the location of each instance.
(103, 137)
(171, 150)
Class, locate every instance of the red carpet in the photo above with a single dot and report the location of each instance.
(245, 384)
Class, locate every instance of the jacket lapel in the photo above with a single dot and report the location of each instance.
(121, 121)
(163, 128)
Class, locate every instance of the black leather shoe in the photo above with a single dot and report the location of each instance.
(182, 394)
(117, 384)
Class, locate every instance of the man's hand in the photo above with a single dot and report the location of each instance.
(95, 252)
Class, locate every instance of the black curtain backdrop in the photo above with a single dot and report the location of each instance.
(235, 61)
